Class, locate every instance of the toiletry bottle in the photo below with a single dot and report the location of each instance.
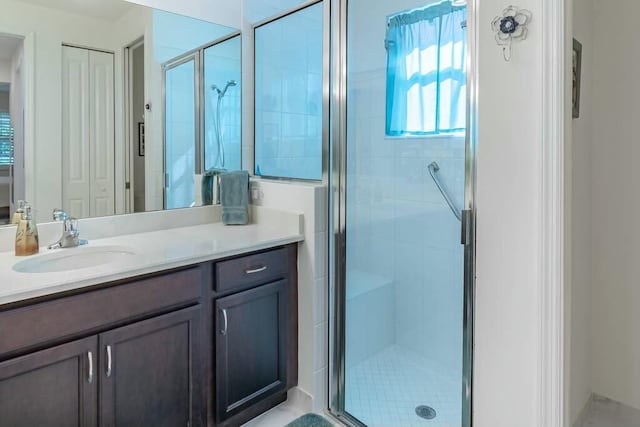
(17, 216)
(27, 242)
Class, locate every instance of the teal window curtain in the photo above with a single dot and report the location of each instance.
(6, 140)
(426, 74)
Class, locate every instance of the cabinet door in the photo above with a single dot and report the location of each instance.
(251, 342)
(51, 388)
(151, 373)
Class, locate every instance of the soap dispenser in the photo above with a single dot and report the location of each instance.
(27, 242)
(17, 216)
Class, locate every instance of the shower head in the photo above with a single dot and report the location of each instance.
(221, 93)
(230, 83)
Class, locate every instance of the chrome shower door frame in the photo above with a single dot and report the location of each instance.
(338, 210)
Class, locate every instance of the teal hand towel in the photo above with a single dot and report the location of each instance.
(206, 187)
(234, 197)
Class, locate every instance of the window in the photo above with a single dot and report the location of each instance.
(6, 140)
(426, 75)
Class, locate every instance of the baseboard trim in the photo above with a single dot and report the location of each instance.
(300, 399)
(582, 416)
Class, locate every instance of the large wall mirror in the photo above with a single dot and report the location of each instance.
(108, 107)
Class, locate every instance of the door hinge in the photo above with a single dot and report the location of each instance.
(467, 227)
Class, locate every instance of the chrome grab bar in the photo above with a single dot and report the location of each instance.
(433, 170)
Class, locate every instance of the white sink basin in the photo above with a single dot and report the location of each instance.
(71, 259)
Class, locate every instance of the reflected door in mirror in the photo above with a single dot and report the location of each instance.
(88, 140)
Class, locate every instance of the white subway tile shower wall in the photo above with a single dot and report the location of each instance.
(310, 200)
(288, 96)
(407, 234)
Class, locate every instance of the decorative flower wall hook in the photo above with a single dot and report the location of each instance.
(512, 25)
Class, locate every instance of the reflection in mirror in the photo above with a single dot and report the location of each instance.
(180, 133)
(85, 88)
(202, 120)
(222, 74)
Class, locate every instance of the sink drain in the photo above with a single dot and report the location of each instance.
(426, 412)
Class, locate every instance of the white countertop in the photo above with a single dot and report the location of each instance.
(154, 251)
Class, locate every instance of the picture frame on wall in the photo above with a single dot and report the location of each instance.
(141, 139)
(576, 61)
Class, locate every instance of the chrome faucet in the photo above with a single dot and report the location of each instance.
(70, 232)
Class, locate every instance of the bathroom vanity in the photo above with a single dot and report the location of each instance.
(211, 342)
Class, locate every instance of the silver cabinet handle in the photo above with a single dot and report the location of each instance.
(90, 359)
(223, 331)
(257, 270)
(108, 361)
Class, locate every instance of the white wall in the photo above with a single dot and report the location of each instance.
(579, 147)
(223, 12)
(507, 320)
(4, 101)
(5, 71)
(615, 180)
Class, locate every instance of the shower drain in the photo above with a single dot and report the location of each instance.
(426, 412)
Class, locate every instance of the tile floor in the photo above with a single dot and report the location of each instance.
(601, 412)
(279, 416)
(384, 390)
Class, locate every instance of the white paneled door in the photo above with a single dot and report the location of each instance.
(76, 179)
(88, 177)
(102, 141)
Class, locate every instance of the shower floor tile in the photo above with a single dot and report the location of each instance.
(385, 389)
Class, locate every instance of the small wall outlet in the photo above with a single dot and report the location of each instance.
(256, 194)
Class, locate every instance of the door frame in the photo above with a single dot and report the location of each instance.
(554, 307)
(129, 128)
(196, 57)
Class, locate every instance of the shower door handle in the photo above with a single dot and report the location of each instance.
(466, 221)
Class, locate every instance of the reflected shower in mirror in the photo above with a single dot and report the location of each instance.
(109, 108)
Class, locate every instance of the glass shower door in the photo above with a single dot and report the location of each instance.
(399, 283)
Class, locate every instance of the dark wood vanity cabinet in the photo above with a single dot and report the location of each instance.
(255, 316)
(162, 350)
(143, 374)
(150, 372)
(51, 388)
(252, 338)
